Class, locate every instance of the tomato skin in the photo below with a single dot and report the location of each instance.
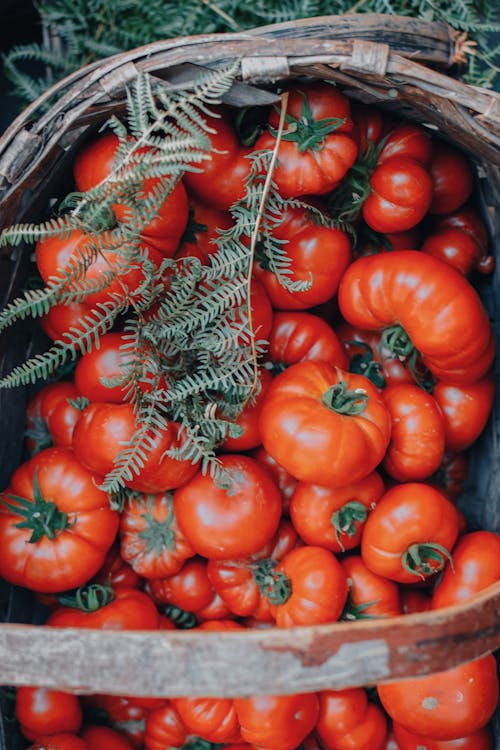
(151, 540)
(413, 600)
(104, 738)
(277, 722)
(77, 551)
(480, 740)
(130, 610)
(452, 179)
(340, 711)
(282, 478)
(451, 475)
(248, 420)
(439, 310)
(476, 565)
(189, 589)
(116, 571)
(61, 318)
(318, 255)
(417, 443)
(408, 515)
(228, 524)
(318, 588)
(297, 336)
(43, 711)
(369, 734)
(41, 407)
(302, 433)
(466, 410)
(408, 140)
(455, 247)
(321, 515)
(366, 588)
(106, 361)
(400, 197)
(62, 741)
(202, 230)
(445, 705)
(212, 719)
(164, 728)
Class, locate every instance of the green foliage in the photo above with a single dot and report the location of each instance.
(90, 30)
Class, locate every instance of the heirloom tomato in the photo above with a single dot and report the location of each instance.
(465, 410)
(369, 734)
(123, 609)
(296, 336)
(452, 179)
(212, 719)
(41, 408)
(277, 722)
(370, 595)
(43, 711)
(480, 740)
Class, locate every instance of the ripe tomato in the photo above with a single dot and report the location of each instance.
(43, 711)
(233, 522)
(248, 420)
(124, 714)
(480, 740)
(315, 150)
(444, 705)
(60, 319)
(417, 441)
(41, 407)
(465, 410)
(55, 524)
(334, 517)
(410, 533)
(414, 600)
(451, 475)
(125, 609)
(116, 571)
(318, 255)
(189, 590)
(104, 738)
(63, 741)
(369, 125)
(277, 722)
(426, 306)
(369, 734)
(323, 425)
(96, 161)
(461, 239)
(151, 540)
(340, 711)
(370, 595)
(408, 140)
(476, 565)
(316, 591)
(107, 361)
(211, 719)
(164, 728)
(297, 336)
(282, 478)
(202, 230)
(452, 179)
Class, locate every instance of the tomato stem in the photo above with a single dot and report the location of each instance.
(344, 520)
(42, 517)
(275, 585)
(88, 598)
(158, 535)
(339, 399)
(424, 559)
(309, 134)
(365, 364)
(181, 619)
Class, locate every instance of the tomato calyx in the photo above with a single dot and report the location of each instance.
(193, 228)
(275, 585)
(88, 598)
(42, 517)
(158, 535)
(197, 743)
(309, 134)
(363, 363)
(181, 619)
(353, 611)
(339, 399)
(396, 340)
(348, 198)
(424, 559)
(344, 520)
(38, 433)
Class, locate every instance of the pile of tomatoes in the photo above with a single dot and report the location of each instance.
(346, 467)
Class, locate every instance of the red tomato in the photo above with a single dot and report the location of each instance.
(318, 255)
(190, 589)
(41, 407)
(248, 420)
(413, 600)
(451, 475)
(369, 734)
(452, 179)
(56, 526)
(370, 595)
(107, 361)
(164, 728)
(277, 722)
(282, 478)
(43, 711)
(480, 740)
(461, 239)
(408, 140)
(445, 705)
(410, 533)
(233, 522)
(202, 230)
(104, 738)
(96, 161)
(369, 125)
(465, 410)
(60, 319)
(116, 571)
(128, 609)
(340, 711)
(317, 588)
(126, 715)
(426, 306)
(63, 741)
(417, 441)
(476, 565)
(297, 336)
(323, 425)
(334, 517)
(151, 540)
(211, 719)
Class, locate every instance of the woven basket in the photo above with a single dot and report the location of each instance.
(388, 61)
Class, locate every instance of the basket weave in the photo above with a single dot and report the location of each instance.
(393, 63)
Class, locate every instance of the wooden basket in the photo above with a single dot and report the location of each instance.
(391, 62)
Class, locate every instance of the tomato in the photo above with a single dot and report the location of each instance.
(323, 425)
(104, 430)
(56, 525)
(340, 711)
(316, 590)
(461, 239)
(43, 711)
(189, 589)
(318, 255)
(410, 533)
(202, 231)
(452, 179)
(248, 420)
(282, 478)
(480, 740)
(246, 585)
(125, 714)
(417, 441)
(297, 336)
(212, 719)
(369, 125)
(423, 305)
(401, 193)
(408, 140)
(315, 150)
(369, 734)
(233, 522)
(104, 738)
(62, 741)
(116, 571)
(445, 705)
(370, 595)
(109, 361)
(465, 409)
(451, 475)
(123, 609)
(60, 319)
(277, 722)
(476, 565)
(40, 408)
(164, 729)
(96, 161)
(413, 600)
(333, 517)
